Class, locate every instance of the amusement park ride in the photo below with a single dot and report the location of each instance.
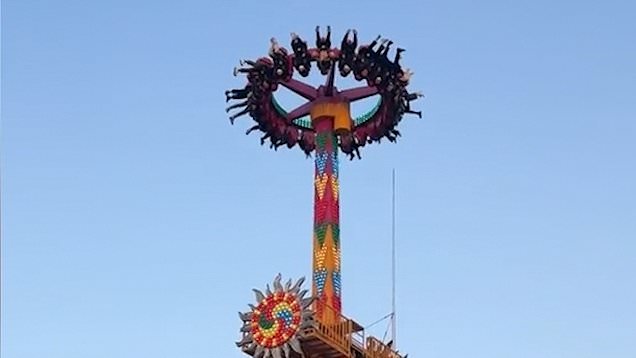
(284, 323)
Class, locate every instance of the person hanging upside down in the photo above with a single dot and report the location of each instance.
(301, 60)
(347, 53)
(323, 44)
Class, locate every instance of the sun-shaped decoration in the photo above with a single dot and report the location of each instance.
(270, 329)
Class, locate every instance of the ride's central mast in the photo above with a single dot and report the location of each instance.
(327, 118)
(326, 243)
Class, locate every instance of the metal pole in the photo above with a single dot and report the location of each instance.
(393, 315)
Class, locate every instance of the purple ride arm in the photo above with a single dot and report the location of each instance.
(299, 112)
(302, 89)
(358, 93)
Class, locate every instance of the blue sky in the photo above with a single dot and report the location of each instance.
(136, 219)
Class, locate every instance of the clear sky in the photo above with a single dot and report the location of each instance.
(136, 219)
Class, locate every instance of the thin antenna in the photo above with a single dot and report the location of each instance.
(393, 315)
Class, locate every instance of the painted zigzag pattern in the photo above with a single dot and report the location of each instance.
(326, 224)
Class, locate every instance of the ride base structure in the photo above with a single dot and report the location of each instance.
(285, 322)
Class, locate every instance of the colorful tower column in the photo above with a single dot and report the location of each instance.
(326, 119)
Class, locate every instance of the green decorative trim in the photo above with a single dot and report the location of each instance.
(304, 122)
(365, 117)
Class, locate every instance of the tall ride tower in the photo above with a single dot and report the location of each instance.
(286, 323)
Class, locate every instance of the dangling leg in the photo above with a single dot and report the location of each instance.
(413, 96)
(418, 113)
(398, 55)
(386, 50)
(251, 130)
(238, 94)
(244, 70)
(237, 105)
(249, 62)
(345, 40)
(374, 42)
(263, 138)
(381, 47)
(241, 113)
(238, 70)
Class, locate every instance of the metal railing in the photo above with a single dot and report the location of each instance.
(357, 339)
(376, 349)
(337, 334)
(340, 335)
